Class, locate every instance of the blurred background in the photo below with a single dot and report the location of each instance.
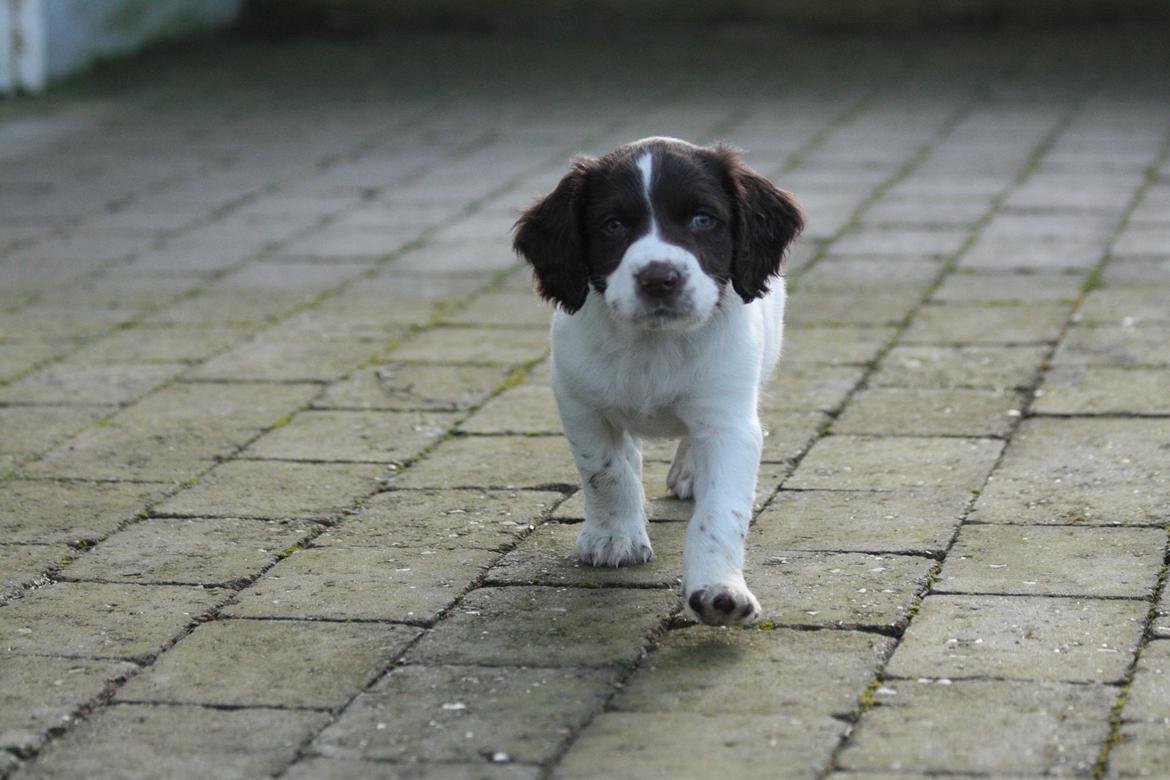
(43, 40)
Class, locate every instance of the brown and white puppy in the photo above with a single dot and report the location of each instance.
(665, 259)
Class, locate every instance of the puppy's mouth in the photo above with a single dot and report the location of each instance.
(666, 317)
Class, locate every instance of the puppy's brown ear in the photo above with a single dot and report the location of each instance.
(767, 219)
(549, 235)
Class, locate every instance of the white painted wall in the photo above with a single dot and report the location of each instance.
(41, 40)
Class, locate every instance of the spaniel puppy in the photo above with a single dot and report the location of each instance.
(664, 259)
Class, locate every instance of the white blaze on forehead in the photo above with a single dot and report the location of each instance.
(646, 166)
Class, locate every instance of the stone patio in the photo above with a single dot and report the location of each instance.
(282, 488)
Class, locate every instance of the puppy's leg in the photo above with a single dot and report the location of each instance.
(726, 462)
(609, 463)
(633, 450)
(680, 480)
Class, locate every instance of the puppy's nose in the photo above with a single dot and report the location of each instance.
(659, 280)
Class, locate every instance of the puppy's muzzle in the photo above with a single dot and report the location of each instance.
(659, 281)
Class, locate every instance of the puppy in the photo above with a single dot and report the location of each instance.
(664, 260)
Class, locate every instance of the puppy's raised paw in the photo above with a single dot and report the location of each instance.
(680, 480)
(724, 605)
(613, 550)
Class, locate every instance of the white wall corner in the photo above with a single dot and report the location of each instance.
(22, 48)
(41, 40)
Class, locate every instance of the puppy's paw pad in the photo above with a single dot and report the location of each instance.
(613, 550)
(724, 605)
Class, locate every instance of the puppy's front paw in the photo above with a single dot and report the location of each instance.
(603, 549)
(724, 605)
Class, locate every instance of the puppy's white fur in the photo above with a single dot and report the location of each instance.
(618, 377)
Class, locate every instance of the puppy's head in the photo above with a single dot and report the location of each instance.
(658, 228)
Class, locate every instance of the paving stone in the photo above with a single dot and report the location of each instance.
(850, 307)
(1057, 561)
(901, 241)
(1143, 240)
(863, 521)
(834, 345)
(174, 434)
(839, 590)
(271, 359)
(1008, 288)
(893, 463)
(965, 323)
(18, 357)
(1032, 253)
(68, 512)
(494, 462)
(401, 386)
(988, 727)
(363, 583)
(1141, 270)
(1092, 471)
(928, 412)
(1148, 697)
(442, 519)
(1115, 345)
(348, 243)
(41, 694)
(160, 345)
(188, 551)
(474, 346)
(504, 307)
(394, 289)
(178, 742)
(1103, 390)
(710, 671)
(521, 409)
(24, 564)
(101, 620)
(133, 292)
(1020, 638)
(788, 434)
(548, 557)
(248, 407)
(276, 489)
(27, 430)
(1160, 627)
(457, 257)
(541, 626)
(944, 367)
(835, 273)
(467, 713)
(345, 769)
(809, 386)
(922, 211)
(1144, 751)
(163, 451)
(39, 324)
(353, 436)
(74, 383)
(357, 320)
(275, 663)
(1126, 305)
(655, 745)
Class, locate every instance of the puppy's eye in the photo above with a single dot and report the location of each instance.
(703, 221)
(613, 227)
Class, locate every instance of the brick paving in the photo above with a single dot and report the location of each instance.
(284, 491)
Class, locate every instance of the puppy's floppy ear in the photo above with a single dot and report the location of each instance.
(767, 219)
(550, 236)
